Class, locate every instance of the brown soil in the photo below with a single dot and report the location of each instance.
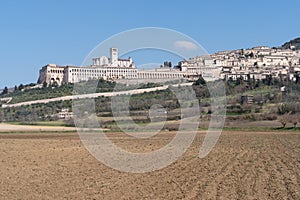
(243, 165)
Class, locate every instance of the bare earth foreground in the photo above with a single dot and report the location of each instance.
(243, 165)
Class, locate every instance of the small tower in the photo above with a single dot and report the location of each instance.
(113, 56)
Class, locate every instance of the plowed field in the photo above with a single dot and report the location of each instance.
(243, 165)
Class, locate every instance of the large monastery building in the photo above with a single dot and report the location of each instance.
(112, 68)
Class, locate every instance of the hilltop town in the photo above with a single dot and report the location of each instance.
(256, 63)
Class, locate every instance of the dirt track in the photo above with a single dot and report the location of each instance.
(262, 165)
(29, 128)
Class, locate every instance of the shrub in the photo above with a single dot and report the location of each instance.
(284, 119)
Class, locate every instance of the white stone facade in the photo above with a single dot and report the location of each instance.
(111, 68)
(52, 73)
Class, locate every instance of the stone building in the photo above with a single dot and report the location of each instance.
(103, 67)
(112, 68)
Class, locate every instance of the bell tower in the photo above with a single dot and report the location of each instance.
(113, 55)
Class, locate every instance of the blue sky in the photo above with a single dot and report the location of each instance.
(35, 33)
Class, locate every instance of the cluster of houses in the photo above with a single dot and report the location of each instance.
(256, 63)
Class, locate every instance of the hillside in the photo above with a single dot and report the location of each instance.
(294, 42)
(268, 102)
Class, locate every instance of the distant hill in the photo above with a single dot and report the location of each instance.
(294, 42)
